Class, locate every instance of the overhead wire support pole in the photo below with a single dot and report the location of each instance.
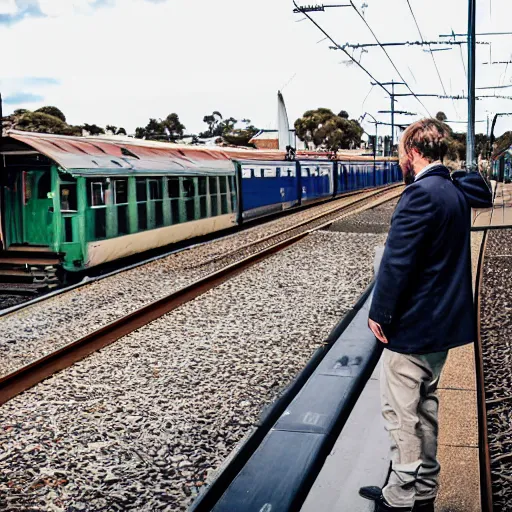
(398, 112)
(497, 62)
(470, 144)
(317, 8)
(392, 111)
(357, 46)
(479, 34)
(494, 87)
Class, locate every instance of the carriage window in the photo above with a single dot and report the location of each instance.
(189, 187)
(246, 173)
(120, 191)
(142, 193)
(223, 184)
(44, 186)
(174, 187)
(257, 173)
(202, 186)
(97, 193)
(305, 172)
(155, 189)
(269, 172)
(213, 186)
(68, 201)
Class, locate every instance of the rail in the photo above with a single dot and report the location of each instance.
(248, 223)
(33, 373)
(483, 440)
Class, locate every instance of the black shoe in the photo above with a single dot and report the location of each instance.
(424, 505)
(374, 493)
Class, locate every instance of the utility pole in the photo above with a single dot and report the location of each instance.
(393, 100)
(471, 164)
(392, 117)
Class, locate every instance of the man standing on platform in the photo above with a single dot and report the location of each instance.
(422, 307)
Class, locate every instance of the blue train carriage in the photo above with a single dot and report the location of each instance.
(94, 200)
(317, 180)
(266, 187)
(355, 172)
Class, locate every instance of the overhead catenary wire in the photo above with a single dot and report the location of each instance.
(389, 58)
(340, 47)
(423, 41)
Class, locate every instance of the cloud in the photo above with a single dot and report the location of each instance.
(20, 98)
(39, 81)
(14, 11)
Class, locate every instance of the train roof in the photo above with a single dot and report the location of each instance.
(117, 156)
(106, 156)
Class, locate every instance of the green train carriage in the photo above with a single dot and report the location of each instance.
(93, 201)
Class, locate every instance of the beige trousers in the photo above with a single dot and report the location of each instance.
(410, 407)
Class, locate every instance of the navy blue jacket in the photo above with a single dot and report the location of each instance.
(423, 293)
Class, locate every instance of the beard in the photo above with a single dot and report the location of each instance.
(407, 171)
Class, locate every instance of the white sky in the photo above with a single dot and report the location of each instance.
(129, 60)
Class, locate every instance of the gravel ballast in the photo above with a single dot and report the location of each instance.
(496, 326)
(42, 328)
(374, 220)
(141, 424)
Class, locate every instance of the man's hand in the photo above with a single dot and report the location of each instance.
(377, 330)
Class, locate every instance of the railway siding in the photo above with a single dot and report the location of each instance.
(141, 424)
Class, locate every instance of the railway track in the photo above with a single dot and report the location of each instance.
(226, 266)
(494, 369)
(12, 301)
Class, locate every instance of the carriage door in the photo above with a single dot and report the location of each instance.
(37, 207)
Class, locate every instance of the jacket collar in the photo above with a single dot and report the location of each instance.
(437, 170)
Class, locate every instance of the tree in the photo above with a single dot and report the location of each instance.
(157, 129)
(441, 116)
(44, 123)
(227, 125)
(241, 137)
(323, 128)
(53, 111)
(173, 126)
(343, 114)
(502, 143)
(154, 130)
(140, 133)
(111, 128)
(213, 121)
(121, 131)
(93, 129)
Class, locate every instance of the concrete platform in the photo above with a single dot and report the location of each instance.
(360, 456)
(501, 213)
